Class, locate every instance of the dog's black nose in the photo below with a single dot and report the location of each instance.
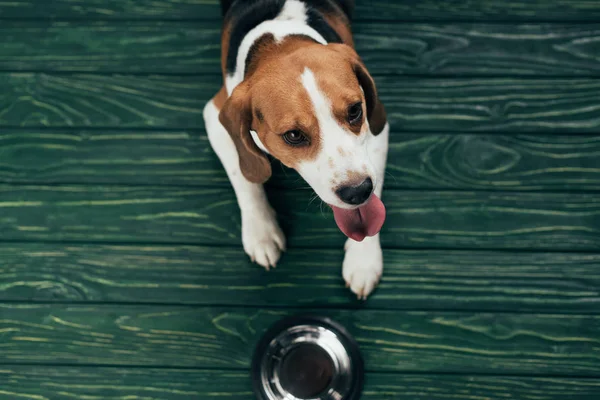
(356, 194)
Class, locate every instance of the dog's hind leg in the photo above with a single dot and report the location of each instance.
(363, 261)
(262, 238)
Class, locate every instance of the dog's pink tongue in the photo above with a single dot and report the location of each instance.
(366, 220)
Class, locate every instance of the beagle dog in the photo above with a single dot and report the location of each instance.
(295, 88)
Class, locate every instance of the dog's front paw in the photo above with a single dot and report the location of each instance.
(363, 265)
(262, 238)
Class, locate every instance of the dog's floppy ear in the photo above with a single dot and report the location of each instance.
(375, 110)
(236, 117)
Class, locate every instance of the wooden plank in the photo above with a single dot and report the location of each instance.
(479, 10)
(151, 47)
(225, 337)
(111, 9)
(388, 48)
(478, 49)
(493, 162)
(174, 384)
(182, 157)
(415, 161)
(425, 10)
(103, 100)
(473, 220)
(439, 280)
(450, 105)
(56, 383)
(443, 387)
(487, 104)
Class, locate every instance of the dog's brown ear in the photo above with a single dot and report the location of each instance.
(375, 110)
(236, 117)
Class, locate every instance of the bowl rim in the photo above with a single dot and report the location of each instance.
(347, 340)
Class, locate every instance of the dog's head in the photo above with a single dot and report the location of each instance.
(312, 109)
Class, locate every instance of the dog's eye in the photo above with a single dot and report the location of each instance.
(355, 113)
(295, 138)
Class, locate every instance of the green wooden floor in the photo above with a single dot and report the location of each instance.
(121, 270)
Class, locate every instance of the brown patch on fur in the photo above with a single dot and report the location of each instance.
(341, 151)
(259, 115)
(236, 117)
(278, 104)
(374, 108)
(340, 75)
(284, 104)
(220, 98)
(262, 46)
(330, 162)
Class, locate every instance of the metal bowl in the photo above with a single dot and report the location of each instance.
(307, 358)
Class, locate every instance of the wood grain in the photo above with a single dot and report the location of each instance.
(486, 104)
(479, 10)
(413, 104)
(387, 48)
(479, 49)
(112, 9)
(443, 387)
(103, 100)
(425, 10)
(151, 47)
(155, 157)
(56, 383)
(494, 162)
(60, 383)
(439, 280)
(415, 161)
(448, 219)
(225, 337)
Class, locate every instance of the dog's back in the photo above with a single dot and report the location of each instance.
(346, 5)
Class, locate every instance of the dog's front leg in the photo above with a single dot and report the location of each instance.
(262, 237)
(363, 261)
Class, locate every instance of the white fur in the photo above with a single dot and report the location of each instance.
(377, 147)
(363, 262)
(319, 173)
(258, 142)
(290, 21)
(262, 238)
(363, 265)
(293, 10)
